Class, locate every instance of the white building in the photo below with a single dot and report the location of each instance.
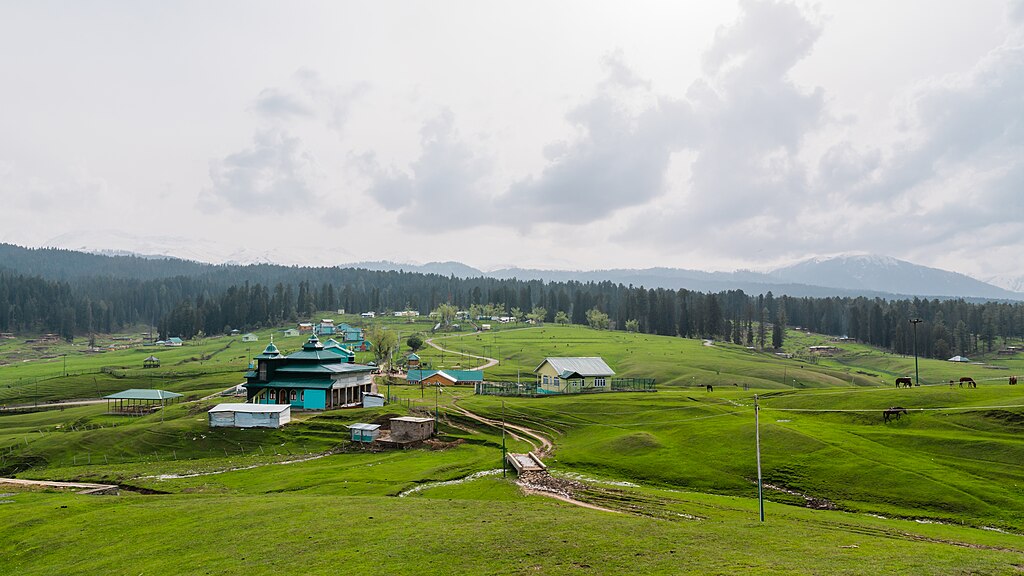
(250, 415)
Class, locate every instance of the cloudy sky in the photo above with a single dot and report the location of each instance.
(581, 135)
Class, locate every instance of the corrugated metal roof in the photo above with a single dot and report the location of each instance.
(143, 394)
(250, 408)
(458, 375)
(412, 419)
(363, 426)
(323, 384)
(335, 368)
(582, 365)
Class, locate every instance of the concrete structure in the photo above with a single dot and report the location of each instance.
(363, 432)
(411, 429)
(311, 379)
(250, 415)
(568, 375)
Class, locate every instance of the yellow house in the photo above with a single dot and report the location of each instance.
(574, 374)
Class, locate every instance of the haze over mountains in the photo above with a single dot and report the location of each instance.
(844, 275)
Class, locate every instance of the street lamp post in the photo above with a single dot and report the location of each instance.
(917, 373)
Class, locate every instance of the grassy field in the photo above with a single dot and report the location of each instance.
(910, 496)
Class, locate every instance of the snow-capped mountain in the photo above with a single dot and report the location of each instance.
(199, 250)
(1013, 282)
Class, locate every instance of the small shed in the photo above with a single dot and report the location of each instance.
(363, 432)
(250, 415)
(412, 360)
(411, 429)
(371, 400)
(139, 402)
(250, 337)
(291, 332)
(151, 362)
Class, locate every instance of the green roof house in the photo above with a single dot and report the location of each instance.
(313, 378)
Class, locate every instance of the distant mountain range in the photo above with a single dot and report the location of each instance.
(851, 275)
(846, 275)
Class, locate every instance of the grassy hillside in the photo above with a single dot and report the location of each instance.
(681, 460)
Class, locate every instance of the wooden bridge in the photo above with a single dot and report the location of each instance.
(528, 462)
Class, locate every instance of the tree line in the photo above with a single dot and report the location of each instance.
(216, 299)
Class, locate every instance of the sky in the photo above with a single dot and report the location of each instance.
(569, 135)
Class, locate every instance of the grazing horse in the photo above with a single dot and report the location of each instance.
(969, 381)
(894, 411)
(1013, 380)
(710, 388)
(904, 381)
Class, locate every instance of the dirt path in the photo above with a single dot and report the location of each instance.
(489, 361)
(84, 487)
(542, 446)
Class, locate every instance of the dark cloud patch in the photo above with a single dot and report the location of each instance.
(445, 186)
(275, 173)
(619, 160)
(278, 103)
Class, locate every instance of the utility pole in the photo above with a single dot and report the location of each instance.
(503, 455)
(65, 364)
(917, 373)
(757, 443)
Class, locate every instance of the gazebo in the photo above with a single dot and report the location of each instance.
(139, 402)
(151, 362)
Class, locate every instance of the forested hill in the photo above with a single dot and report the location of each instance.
(74, 294)
(60, 264)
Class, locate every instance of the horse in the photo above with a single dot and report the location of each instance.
(1013, 380)
(894, 411)
(969, 381)
(905, 381)
(951, 382)
(710, 388)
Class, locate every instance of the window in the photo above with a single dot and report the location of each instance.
(302, 395)
(556, 380)
(598, 382)
(547, 380)
(293, 394)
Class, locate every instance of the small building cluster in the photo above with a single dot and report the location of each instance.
(402, 431)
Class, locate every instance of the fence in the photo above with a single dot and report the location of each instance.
(530, 389)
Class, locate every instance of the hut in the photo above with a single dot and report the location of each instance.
(411, 429)
(139, 402)
(363, 432)
(250, 415)
(151, 362)
(412, 361)
(250, 337)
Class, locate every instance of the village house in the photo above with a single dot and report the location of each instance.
(572, 374)
(445, 377)
(290, 332)
(325, 327)
(313, 378)
(250, 337)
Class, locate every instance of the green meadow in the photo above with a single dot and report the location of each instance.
(939, 491)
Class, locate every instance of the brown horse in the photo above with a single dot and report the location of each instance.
(1013, 380)
(904, 381)
(969, 381)
(895, 411)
